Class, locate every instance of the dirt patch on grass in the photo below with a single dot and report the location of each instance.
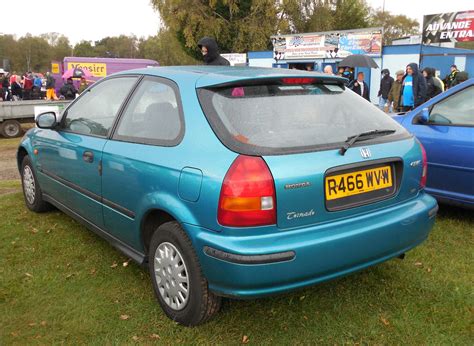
(8, 148)
(9, 191)
(8, 167)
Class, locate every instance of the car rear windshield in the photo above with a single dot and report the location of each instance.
(291, 115)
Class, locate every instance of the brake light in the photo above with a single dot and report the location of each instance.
(425, 167)
(298, 80)
(248, 194)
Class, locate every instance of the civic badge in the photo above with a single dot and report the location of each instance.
(365, 153)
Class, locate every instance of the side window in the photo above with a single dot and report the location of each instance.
(95, 111)
(457, 109)
(153, 115)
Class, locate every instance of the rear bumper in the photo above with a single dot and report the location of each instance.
(313, 254)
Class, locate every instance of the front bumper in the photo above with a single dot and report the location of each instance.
(320, 252)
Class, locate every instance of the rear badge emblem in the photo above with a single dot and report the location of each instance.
(365, 153)
(415, 163)
(297, 185)
(298, 215)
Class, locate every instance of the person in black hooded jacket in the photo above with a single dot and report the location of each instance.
(431, 89)
(413, 91)
(385, 86)
(210, 52)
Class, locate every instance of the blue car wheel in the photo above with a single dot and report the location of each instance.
(178, 282)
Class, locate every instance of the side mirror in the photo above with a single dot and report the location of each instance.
(46, 120)
(424, 115)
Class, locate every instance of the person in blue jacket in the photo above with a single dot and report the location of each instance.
(413, 91)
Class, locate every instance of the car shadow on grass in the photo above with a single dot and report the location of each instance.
(454, 212)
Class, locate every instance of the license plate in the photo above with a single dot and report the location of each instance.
(354, 183)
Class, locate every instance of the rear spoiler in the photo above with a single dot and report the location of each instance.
(282, 80)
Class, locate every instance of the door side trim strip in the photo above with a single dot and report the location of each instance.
(90, 194)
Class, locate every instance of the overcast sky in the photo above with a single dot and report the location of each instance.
(92, 20)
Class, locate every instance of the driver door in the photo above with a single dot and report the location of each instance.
(70, 159)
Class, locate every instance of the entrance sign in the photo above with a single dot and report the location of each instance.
(448, 27)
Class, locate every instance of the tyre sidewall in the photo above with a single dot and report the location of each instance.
(172, 233)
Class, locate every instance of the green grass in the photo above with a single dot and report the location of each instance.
(57, 286)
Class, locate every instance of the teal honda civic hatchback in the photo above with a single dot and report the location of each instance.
(231, 182)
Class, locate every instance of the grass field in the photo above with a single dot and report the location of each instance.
(59, 283)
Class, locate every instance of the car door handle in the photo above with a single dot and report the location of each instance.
(88, 156)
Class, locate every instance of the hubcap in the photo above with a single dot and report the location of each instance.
(11, 130)
(171, 276)
(29, 184)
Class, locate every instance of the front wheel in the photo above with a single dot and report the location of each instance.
(179, 284)
(31, 189)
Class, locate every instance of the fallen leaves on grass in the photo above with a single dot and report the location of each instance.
(68, 276)
(124, 317)
(34, 230)
(428, 270)
(43, 323)
(154, 336)
(93, 271)
(29, 275)
(114, 265)
(245, 339)
(52, 228)
(418, 264)
(126, 263)
(135, 338)
(384, 321)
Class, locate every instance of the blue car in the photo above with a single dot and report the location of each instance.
(231, 182)
(445, 127)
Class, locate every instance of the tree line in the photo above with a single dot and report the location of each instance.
(237, 25)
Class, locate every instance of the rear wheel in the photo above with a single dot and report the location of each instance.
(179, 284)
(31, 189)
(10, 129)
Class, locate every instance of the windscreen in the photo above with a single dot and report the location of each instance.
(285, 116)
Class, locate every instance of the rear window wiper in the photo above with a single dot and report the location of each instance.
(363, 136)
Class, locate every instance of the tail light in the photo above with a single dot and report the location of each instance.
(425, 167)
(247, 194)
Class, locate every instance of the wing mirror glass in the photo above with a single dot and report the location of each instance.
(46, 120)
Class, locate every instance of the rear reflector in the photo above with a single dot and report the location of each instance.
(248, 194)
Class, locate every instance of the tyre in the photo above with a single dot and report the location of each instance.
(10, 129)
(178, 282)
(31, 189)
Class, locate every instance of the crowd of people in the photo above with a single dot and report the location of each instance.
(408, 90)
(36, 86)
(29, 86)
(411, 88)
